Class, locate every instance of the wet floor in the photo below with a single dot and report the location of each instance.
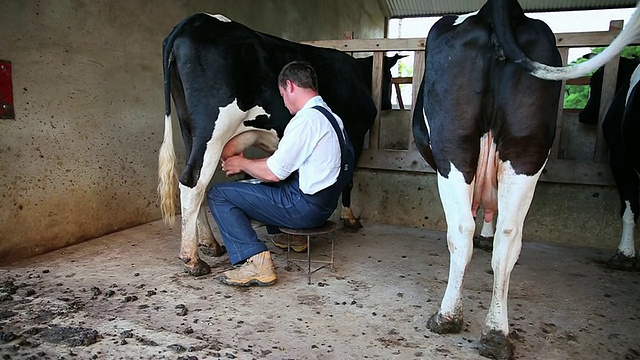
(124, 296)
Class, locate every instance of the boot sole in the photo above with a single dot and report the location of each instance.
(298, 248)
(253, 282)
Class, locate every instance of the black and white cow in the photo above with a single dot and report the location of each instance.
(223, 79)
(621, 130)
(486, 126)
(589, 115)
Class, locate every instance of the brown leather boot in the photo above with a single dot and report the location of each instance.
(298, 242)
(257, 270)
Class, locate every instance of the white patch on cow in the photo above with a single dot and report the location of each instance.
(627, 245)
(515, 193)
(635, 77)
(190, 205)
(205, 235)
(228, 124)
(456, 195)
(426, 122)
(220, 17)
(488, 228)
(462, 18)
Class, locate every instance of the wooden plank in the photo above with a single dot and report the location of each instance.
(586, 39)
(367, 45)
(556, 171)
(585, 80)
(376, 93)
(402, 80)
(569, 39)
(601, 153)
(556, 147)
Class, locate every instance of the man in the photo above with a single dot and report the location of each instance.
(302, 179)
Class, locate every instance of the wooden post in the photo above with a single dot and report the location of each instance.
(601, 153)
(418, 74)
(376, 93)
(557, 148)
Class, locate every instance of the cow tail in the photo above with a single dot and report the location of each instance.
(502, 23)
(167, 176)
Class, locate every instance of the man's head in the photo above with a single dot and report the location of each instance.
(297, 83)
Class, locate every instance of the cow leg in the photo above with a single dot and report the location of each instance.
(206, 241)
(349, 220)
(455, 195)
(484, 241)
(627, 182)
(515, 193)
(190, 200)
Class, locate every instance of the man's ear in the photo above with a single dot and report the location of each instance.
(289, 86)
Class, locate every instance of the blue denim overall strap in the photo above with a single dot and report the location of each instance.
(347, 154)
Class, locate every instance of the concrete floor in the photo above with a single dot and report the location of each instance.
(124, 296)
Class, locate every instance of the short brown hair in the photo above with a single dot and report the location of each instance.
(300, 73)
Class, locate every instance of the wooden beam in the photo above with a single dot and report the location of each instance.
(367, 45)
(402, 80)
(376, 93)
(570, 39)
(585, 80)
(556, 171)
(556, 147)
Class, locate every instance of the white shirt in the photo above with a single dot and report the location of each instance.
(309, 145)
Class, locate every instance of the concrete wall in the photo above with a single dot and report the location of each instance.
(80, 159)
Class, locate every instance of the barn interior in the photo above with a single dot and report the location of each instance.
(82, 247)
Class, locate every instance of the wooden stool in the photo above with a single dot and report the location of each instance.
(329, 227)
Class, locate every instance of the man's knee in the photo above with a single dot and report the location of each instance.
(216, 194)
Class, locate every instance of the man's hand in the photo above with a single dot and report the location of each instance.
(233, 165)
(257, 168)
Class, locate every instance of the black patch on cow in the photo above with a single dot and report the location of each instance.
(470, 89)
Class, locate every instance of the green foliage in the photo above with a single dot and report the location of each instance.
(404, 70)
(576, 96)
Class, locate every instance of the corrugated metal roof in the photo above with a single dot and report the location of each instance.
(415, 8)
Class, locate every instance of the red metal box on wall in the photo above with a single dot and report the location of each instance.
(6, 91)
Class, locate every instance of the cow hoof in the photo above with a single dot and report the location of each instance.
(441, 325)
(496, 345)
(214, 251)
(353, 224)
(622, 262)
(483, 243)
(199, 269)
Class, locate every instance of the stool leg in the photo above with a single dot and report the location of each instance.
(309, 259)
(288, 250)
(333, 244)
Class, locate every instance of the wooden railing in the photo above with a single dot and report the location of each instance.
(558, 170)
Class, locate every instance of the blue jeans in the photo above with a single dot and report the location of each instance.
(234, 204)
